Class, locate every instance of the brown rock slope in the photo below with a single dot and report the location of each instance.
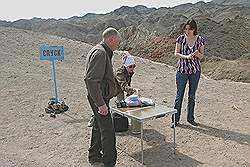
(226, 50)
(29, 139)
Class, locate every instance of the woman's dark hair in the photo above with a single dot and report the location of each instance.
(192, 25)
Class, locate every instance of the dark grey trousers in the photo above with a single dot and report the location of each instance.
(103, 141)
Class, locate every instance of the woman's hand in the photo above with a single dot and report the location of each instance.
(196, 53)
(137, 91)
(199, 53)
(190, 56)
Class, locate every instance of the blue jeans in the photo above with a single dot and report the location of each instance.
(181, 81)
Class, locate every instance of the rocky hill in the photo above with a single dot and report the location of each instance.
(87, 28)
(224, 24)
(232, 2)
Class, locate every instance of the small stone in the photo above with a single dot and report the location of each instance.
(41, 115)
(164, 101)
(53, 115)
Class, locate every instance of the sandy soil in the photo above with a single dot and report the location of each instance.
(29, 137)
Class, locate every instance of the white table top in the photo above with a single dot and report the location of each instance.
(144, 113)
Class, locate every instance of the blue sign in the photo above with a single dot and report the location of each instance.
(51, 52)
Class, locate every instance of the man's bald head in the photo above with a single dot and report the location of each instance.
(111, 37)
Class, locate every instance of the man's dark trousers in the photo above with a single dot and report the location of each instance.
(103, 138)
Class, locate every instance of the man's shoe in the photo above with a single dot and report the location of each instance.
(192, 122)
(97, 164)
(136, 132)
(96, 161)
(91, 122)
(176, 124)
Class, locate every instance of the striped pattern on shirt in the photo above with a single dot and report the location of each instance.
(185, 65)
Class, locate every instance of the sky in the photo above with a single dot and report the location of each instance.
(11, 10)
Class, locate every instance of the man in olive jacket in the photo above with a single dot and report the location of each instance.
(100, 83)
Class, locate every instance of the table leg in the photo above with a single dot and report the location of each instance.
(142, 143)
(174, 133)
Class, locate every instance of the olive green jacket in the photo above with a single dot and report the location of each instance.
(99, 77)
(123, 81)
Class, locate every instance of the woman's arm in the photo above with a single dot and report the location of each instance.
(179, 55)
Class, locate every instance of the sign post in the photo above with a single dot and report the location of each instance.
(54, 76)
(53, 53)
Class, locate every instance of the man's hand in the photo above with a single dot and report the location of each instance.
(103, 110)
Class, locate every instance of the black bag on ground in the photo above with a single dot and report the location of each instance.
(120, 122)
